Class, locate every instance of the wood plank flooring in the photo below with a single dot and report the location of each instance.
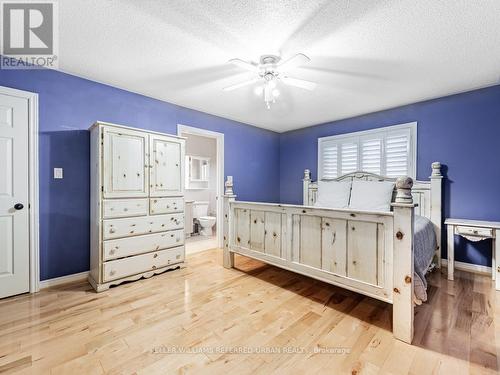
(273, 321)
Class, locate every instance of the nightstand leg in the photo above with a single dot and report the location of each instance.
(451, 251)
(496, 242)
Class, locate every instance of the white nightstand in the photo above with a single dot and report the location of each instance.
(474, 230)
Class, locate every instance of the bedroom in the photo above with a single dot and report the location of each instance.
(95, 276)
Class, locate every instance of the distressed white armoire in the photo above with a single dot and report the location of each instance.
(136, 204)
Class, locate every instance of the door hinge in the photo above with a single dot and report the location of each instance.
(102, 188)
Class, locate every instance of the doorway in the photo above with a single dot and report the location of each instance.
(204, 187)
(19, 265)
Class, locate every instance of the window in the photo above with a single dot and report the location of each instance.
(389, 151)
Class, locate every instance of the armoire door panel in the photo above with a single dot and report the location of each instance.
(125, 163)
(166, 172)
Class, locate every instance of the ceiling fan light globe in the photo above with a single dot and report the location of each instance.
(276, 93)
(258, 90)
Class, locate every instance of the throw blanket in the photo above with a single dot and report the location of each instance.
(424, 246)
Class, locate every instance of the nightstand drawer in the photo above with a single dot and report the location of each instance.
(474, 231)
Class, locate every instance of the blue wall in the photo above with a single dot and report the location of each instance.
(68, 105)
(461, 131)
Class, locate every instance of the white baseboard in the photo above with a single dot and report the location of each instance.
(469, 267)
(64, 279)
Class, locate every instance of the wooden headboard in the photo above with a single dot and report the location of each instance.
(427, 194)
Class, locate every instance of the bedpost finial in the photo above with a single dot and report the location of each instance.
(229, 186)
(307, 174)
(403, 190)
(436, 169)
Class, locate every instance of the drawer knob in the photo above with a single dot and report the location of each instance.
(154, 267)
(125, 209)
(475, 231)
(155, 256)
(112, 230)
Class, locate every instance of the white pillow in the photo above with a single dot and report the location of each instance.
(371, 195)
(333, 194)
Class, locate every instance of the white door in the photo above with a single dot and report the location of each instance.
(14, 225)
(125, 163)
(167, 172)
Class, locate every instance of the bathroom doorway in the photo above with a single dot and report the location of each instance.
(204, 187)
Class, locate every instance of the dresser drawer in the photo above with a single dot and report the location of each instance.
(124, 247)
(166, 205)
(117, 269)
(473, 231)
(134, 226)
(124, 207)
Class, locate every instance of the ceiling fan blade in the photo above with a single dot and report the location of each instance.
(245, 65)
(293, 62)
(303, 84)
(241, 84)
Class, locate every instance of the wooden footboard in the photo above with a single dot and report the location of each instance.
(366, 252)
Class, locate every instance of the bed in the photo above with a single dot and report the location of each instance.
(383, 254)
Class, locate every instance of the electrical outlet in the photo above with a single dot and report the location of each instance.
(58, 173)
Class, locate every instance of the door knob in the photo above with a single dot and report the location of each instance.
(18, 206)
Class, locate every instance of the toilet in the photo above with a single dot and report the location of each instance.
(200, 213)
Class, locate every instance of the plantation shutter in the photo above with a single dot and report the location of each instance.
(329, 160)
(397, 154)
(349, 157)
(386, 151)
(371, 155)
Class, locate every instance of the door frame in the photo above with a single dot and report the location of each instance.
(33, 185)
(219, 137)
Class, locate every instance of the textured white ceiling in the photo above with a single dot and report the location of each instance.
(366, 55)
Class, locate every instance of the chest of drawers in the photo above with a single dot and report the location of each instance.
(137, 204)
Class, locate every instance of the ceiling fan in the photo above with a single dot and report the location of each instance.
(269, 71)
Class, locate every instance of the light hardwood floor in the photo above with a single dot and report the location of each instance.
(72, 330)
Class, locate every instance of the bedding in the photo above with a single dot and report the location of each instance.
(371, 195)
(424, 245)
(333, 194)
